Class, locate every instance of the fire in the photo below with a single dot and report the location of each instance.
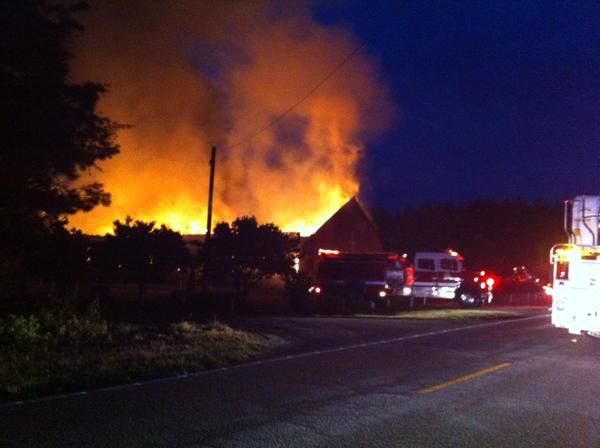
(333, 200)
(186, 84)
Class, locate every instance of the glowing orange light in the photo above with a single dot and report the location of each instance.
(295, 175)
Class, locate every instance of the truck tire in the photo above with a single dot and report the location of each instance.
(468, 299)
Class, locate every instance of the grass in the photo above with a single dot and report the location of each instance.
(36, 360)
(456, 314)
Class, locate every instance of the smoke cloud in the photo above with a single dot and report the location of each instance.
(190, 75)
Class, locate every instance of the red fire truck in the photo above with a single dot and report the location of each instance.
(353, 282)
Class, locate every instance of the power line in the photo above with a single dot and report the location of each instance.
(343, 62)
(301, 100)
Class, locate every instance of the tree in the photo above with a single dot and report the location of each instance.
(50, 265)
(244, 253)
(141, 252)
(50, 132)
(490, 234)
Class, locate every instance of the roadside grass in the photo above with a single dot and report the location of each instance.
(70, 353)
(455, 314)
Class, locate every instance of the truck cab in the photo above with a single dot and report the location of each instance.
(348, 281)
(442, 275)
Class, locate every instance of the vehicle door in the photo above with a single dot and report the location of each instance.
(425, 284)
(448, 276)
(581, 288)
(395, 276)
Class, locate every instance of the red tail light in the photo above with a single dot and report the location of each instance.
(410, 276)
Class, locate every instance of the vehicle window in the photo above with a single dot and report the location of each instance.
(449, 264)
(425, 264)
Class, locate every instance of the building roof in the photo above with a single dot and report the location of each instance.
(350, 229)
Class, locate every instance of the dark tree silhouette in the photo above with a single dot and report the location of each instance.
(490, 234)
(243, 253)
(51, 132)
(49, 129)
(142, 252)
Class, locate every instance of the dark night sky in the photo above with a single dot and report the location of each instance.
(496, 99)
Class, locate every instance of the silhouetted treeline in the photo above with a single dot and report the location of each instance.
(490, 234)
(51, 134)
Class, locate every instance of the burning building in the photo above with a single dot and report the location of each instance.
(350, 229)
(189, 76)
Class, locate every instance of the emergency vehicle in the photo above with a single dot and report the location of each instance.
(350, 281)
(347, 281)
(576, 269)
(442, 275)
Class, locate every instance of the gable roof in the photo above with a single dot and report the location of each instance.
(350, 212)
(350, 229)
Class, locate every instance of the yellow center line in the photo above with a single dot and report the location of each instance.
(462, 379)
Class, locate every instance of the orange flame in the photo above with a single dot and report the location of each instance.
(185, 84)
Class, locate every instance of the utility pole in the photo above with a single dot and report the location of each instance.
(192, 276)
(211, 188)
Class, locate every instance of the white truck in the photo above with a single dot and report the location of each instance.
(576, 269)
(442, 275)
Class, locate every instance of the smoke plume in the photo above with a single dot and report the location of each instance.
(190, 75)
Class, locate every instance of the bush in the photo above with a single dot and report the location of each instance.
(20, 330)
(183, 327)
(53, 326)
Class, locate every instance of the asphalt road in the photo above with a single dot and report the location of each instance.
(351, 383)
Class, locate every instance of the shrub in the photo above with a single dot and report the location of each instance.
(184, 327)
(53, 326)
(20, 330)
(59, 324)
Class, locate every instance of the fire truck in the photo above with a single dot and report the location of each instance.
(576, 269)
(352, 282)
(442, 275)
